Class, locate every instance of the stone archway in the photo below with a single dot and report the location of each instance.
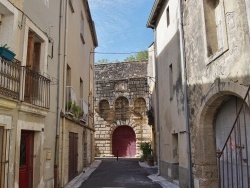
(124, 142)
(205, 146)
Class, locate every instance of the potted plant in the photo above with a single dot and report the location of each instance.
(150, 114)
(6, 54)
(146, 150)
(150, 160)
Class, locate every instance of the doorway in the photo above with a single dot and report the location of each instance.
(26, 159)
(124, 142)
(73, 155)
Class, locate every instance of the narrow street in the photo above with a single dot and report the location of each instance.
(124, 173)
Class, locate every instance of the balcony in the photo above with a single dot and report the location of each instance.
(20, 83)
(75, 107)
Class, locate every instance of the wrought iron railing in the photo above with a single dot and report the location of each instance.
(23, 84)
(233, 158)
(36, 88)
(10, 78)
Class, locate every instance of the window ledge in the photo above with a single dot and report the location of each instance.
(81, 35)
(216, 55)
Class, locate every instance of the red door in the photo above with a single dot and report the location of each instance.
(26, 160)
(124, 142)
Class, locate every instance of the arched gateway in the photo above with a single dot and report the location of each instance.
(124, 142)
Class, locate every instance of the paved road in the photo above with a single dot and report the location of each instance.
(124, 173)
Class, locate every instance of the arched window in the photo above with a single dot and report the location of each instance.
(104, 108)
(122, 108)
(140, 106)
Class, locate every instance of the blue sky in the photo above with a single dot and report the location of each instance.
(121, 27)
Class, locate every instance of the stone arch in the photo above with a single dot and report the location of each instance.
(205, 144)
(103, 108)
(140, 105)
(131, 123)
(124, 141)
(121, 108)
(115, 99)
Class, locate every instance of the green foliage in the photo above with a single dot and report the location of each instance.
(140, 56)
(102, 61)
(150, 114)
(77, 110)
(146, 150)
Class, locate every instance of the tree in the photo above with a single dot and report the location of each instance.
(102, 61)
(140, 56)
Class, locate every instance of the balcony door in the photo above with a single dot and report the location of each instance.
(26, 160)
(32, 65)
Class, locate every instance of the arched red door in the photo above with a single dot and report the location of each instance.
(124, 142)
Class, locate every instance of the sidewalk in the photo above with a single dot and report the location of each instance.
(159, 179)
(77, 181)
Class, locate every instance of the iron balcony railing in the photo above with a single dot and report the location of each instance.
(75, 107)
(233, 158)
(21, 83)
(10, 78)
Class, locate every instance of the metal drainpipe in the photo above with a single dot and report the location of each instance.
(58, 102)
(64, 89)
(184, 78)
(93, 108)
(157, 102)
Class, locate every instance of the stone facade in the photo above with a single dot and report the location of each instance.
(121, 99)
(217, 61)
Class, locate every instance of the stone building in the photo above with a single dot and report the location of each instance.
(203, 47)
(121, 102)
(27, 86)
(168, 93)
(217, 46)
(36, 128)
(76, 132)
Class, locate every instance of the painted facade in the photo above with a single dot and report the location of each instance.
(121, 102)
(76, 133)
(168, 95)
(35, 128)
(27, 113)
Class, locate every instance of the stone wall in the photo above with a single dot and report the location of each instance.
(121, 99)
(213, 78)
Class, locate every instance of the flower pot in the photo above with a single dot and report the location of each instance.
(150, 160)
(6, 54)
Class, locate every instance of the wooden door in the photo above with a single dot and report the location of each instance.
(124, 142)
(73, 155)
(2, 156)
(26, 160)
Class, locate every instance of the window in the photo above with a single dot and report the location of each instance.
(71, 6)
(81, 88)
(68, 78)
(171, 81)
(168, 17)
(215, 26)
(82, 28)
